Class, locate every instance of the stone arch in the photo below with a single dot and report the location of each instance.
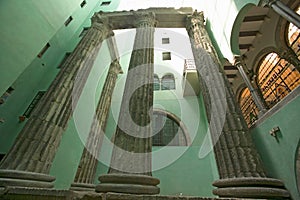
(168, 82)
(282, 28)
(178, 121)
(234, 39)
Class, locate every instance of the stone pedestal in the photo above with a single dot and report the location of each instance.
(29, 160)
(130, 169)
(85, 174)
(240, 168)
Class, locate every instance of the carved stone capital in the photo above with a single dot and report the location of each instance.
(197, 18)
(115, 68)
(101, 23)
(144, 19)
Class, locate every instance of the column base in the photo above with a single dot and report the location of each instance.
(128, 183)
(253, 187)
(25, 179)
(82, 187)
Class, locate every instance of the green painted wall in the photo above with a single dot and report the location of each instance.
(279, 155)
(220, 23)
(73, 140)
(26, 28)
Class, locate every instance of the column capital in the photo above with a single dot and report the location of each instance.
(115, 68)
(144, 19)
(101, 23)
(195, 18)
(238, 60)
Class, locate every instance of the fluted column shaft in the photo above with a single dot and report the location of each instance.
(237, 160)
(86, 170)
(35, 147)
(131, 157)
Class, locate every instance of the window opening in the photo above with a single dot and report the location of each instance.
(105, 3)
(68, 21)
(43, 51)
(165, 40)
(276, 78)
(248, 107)
(294, 36)
(33, 104)
(83, 3)
(168, 82)
(167, 131)
(6, 94)
(166, 55)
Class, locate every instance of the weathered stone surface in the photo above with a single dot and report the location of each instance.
(131, 155)
(86, 171)
(237, 159)
(36, 145)
(50, 194)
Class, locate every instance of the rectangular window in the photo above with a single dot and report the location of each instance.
(166, 55)
(33, 103)
(64, 60)
(6, 94)
(68, 21)
(84, 31)
(83, 3)
(44, 49)
(165, 40)
(105, 3)
(1, 156)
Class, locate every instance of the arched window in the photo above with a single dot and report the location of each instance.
(276, 78)
(156, 82)
(168, 82)
(293, 36)
(248, 107)
(168, 130)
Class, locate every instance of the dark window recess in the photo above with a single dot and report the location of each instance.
(165, 40)
(166, 55)
(1, 156)
(83, 3)
(68, 21)
(84, 31)
(64, 60)
(43, 51)
(105, 3)
(33, 104)
(6, 94)
(168, 82)
(166, 132)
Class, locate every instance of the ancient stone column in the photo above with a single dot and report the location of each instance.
(283, 11)
(85, 175)
(130, 168)
(240, 168)
(257, 100)
(29, 160)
